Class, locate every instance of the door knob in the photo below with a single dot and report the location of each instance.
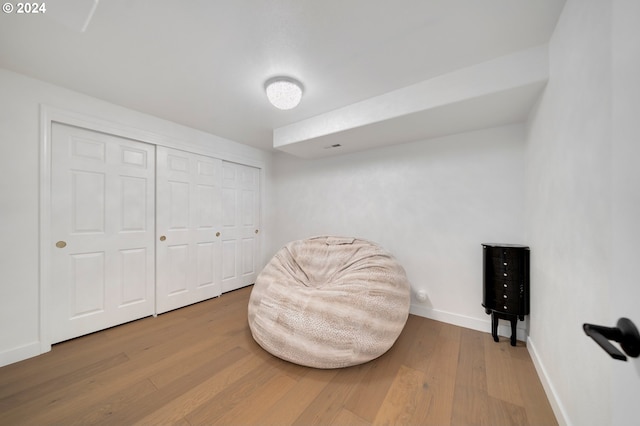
(61, 244)
(217, 234)
(625, 333)
(256, 231)
(162, 238)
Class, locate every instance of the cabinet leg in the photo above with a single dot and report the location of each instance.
(494, 326)
(514, 321)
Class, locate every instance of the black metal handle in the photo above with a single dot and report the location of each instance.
(625, 333)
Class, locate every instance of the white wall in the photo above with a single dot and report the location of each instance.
(625, 284)
(430, 203)
(19, 188)
(568, 184)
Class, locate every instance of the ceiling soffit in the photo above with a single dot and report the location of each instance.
(495, 92)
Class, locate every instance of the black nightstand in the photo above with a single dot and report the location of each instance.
(505, 284)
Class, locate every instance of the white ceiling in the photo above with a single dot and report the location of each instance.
(203, 63)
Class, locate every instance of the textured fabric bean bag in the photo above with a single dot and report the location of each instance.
(329, 302)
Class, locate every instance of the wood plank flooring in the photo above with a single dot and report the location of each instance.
(199, 365)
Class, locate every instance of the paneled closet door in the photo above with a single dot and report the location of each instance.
(102, 226)
(240, 225)
(188, 214)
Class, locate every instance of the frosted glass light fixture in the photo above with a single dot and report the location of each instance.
(283, 92)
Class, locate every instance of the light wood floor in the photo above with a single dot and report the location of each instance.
(199, 365)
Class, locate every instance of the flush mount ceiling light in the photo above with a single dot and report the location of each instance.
(283, 92)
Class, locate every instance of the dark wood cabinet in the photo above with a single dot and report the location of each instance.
(505, 284)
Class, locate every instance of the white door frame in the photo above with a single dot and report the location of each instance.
(48, 115)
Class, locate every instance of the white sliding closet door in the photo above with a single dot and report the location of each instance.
(188, 228)
(240, 224)
(102, 227)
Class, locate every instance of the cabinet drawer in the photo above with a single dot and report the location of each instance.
(514, 284)
(500, 265)
(511, 309)
(507, 294)
(505, 276)
(512, 306)
(506, 255)
(507, 299)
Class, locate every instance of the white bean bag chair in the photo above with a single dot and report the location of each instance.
(329, 302)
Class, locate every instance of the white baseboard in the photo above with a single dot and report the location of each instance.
(20, 353)
(549, 389)
(483, 325)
